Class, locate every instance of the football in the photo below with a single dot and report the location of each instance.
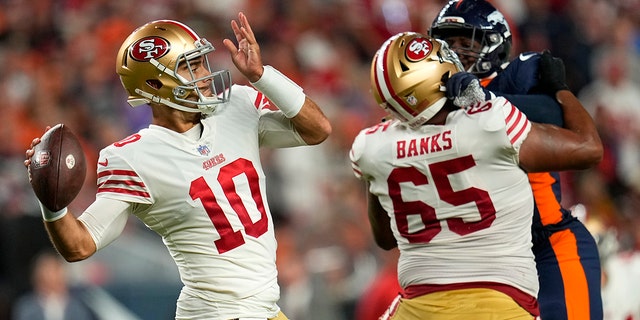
(58, 168)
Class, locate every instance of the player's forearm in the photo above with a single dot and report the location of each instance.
(311, 123)
(308, 118)
(71, 238)
(578, 120)
(380, 224)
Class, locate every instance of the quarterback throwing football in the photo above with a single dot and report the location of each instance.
(194, 175)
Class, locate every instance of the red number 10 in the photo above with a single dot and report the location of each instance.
(230, 239)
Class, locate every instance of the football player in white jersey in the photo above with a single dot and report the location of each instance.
(194, 175)
(447, 183)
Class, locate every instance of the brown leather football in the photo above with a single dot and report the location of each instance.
(58, 168)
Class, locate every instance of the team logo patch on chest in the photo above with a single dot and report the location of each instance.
(211, 162)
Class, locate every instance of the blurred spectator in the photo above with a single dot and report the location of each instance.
(51, 298)
(377, 297)
(548, 27)
(304, 293)
(360, 264)
(621, 281)
(613, 100)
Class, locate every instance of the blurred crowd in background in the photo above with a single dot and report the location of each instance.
(57, 65)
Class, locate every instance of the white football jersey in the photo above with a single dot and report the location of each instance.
(207, 197)
(460, 206)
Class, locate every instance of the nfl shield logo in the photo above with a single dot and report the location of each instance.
(204, 150)
(42, 159)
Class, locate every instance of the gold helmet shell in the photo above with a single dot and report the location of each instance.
(407, 76)
(148, 62)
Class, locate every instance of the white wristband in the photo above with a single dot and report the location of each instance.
(51, 216)
(282, 91)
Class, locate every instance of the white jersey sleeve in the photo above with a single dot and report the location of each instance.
(276, 130)
(517, 124)
(117, 179)
(459, 204)
(105, 219)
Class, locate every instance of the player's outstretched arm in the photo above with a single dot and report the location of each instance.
(67, 234)
(309, 120)
(311, 123)
(549, 148)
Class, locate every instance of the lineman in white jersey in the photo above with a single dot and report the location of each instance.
(446, 184)
(194, 176)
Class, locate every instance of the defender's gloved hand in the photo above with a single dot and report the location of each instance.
(551, 74)
(464, 89)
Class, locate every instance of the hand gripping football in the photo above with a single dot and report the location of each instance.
(58, 168)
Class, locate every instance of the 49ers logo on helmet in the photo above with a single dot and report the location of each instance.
(149, 47)
(418, 49)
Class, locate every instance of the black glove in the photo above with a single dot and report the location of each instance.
(464, 89)
(551, 74)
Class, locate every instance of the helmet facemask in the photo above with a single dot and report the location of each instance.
(218, 82)
(482, 46)
(480, 22)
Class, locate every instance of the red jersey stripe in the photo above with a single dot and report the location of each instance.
(122, 182)
(125, 191)
(117, 173)
(261, 102)
(517, 123)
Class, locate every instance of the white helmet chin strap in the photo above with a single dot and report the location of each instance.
(204, 108)
(427, 114)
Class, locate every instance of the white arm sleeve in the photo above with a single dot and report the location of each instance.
(105, 219)
(277, 131)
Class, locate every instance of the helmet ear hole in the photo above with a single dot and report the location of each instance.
(504, 55)
(445, 76)
(154, 83)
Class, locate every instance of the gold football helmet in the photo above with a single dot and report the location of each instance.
(407, 76)
(148, 63)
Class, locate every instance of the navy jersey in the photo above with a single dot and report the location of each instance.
(518, 83)
(566, 254)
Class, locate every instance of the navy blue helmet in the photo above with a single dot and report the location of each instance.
(479, 21)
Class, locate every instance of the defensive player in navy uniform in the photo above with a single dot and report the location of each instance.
(566, 253)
